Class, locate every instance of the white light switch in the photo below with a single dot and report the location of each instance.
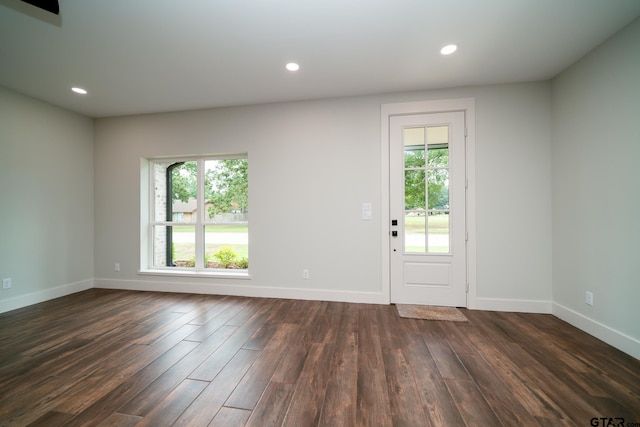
(367, 211)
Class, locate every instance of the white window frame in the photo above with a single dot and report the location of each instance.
(148, 221)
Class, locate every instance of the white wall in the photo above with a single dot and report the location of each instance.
(596, 190)
(312, 164)
(46, 194)
(514, 197)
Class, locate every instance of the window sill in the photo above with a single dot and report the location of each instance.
(215, 274)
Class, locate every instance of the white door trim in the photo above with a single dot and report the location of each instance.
(467, 105)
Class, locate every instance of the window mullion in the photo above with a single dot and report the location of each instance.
(200, 216)
(150, 261)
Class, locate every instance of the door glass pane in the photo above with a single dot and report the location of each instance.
(226, 246)
(415, 226)
(438, 156)
(414, 157)
(438, 236)
(414, 147)
(438, 141)
(414, 190)
(438, 185)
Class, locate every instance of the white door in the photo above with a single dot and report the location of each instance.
(427, 209)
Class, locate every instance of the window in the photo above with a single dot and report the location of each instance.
(199, 214)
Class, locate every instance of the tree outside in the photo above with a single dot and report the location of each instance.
(432, 175)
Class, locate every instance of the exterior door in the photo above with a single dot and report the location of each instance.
(427, 212)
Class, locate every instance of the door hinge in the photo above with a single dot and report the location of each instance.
(467, 287)
(466, 236)
(466, 183)
(466, 132)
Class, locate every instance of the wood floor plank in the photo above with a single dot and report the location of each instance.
(290, 367)
(472, 406)
(208, 369)
(210, 323)
(502, 401)
(36, 401)
(272, 406)
(249, 311)
(402, 390)
(253, 384)
(230, 417)
(103, 381)
(38, 367)
(438, 404)
(447, 361)
(174, 404)
(306, 404)
(215, 308)
(457, 334)
(120, 420)
(372, 404)
(147, 399)
(111, 357)
(339, 408)
(52, 419)
(261, 337)
(135, 378)
(399, 376)
(206, 406)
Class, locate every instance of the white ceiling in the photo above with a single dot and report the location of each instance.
(143, 56)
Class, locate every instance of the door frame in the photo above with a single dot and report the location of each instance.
(466, 105)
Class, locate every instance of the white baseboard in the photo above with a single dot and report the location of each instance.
(243, 290)
(511, 305)
(603, 332)
(41, 296)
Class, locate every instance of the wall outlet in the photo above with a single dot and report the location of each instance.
(588, 299)
(367, 211)
(116, 267)
(305, 274)
(6, 283)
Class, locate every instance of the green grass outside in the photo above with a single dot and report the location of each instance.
(186, 251)
(438, 224)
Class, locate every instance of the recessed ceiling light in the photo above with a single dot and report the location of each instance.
(79, 90)
(292, 66)
(449, 49)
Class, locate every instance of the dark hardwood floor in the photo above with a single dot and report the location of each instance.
(119, 358)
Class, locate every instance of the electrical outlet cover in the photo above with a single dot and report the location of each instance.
(588, 298)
